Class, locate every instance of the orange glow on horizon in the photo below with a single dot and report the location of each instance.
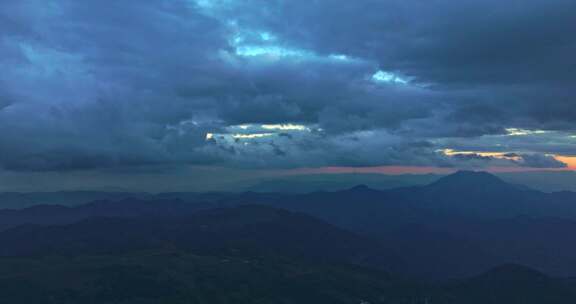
(397, 170)
(391, 170)
(569, 160)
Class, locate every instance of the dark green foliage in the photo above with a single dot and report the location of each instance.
(175, 277)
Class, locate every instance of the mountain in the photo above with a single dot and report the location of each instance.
(338, 182)
(56, 214)
(247, 254)
(466, 222)
(246, 230)
(512, 284)
(470, 179)
(176, 277)
(483, 195)
(17, 200)
(547, 181)
(477, 194)
(465, 194)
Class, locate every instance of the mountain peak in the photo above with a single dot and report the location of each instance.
(467, 179)
(473, 174)
(361, 188)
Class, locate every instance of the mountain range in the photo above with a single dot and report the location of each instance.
(392, 243)
(471, 220)
(246, 254)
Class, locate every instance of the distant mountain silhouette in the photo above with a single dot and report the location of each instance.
(338, 182)
(246, 254)
(362, 188)
(454, 219)
(246, 230)
(465, 221)
(55, 214)
(470, 180)
(465, 193)
(513, 284)
(19, 200)
(478, 194)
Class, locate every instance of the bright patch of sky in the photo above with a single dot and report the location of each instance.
(212, 7)
(206, 4)
(244, 36)
(340, 57)
(253, 43)
(499, 155)
(523, 132)
(286, 127)
(265, 36)
(270, 51)
(388, 77)
(252, 136)
(259, 131)
(261, 44)
(233, 139)
(266, 45)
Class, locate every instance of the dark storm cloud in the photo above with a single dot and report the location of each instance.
(511, 58)
(528, 160)
(87, 84)
(444, 41)
(541, 161)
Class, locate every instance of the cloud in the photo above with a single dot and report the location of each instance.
(495, 159)
(87, 85)
(541, 161)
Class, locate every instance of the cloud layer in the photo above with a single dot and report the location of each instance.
(87, 84)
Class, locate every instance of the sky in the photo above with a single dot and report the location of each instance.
(203, 91)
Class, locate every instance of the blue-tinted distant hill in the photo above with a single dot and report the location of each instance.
(548, 181)
(296, 184)
(21, 200)
(243, 230)
(18, 200)
(338, 182)
(248, 254)
(511, 284)
(463, 221)
(466, 222)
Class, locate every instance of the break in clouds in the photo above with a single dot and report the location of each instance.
(284, 84)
